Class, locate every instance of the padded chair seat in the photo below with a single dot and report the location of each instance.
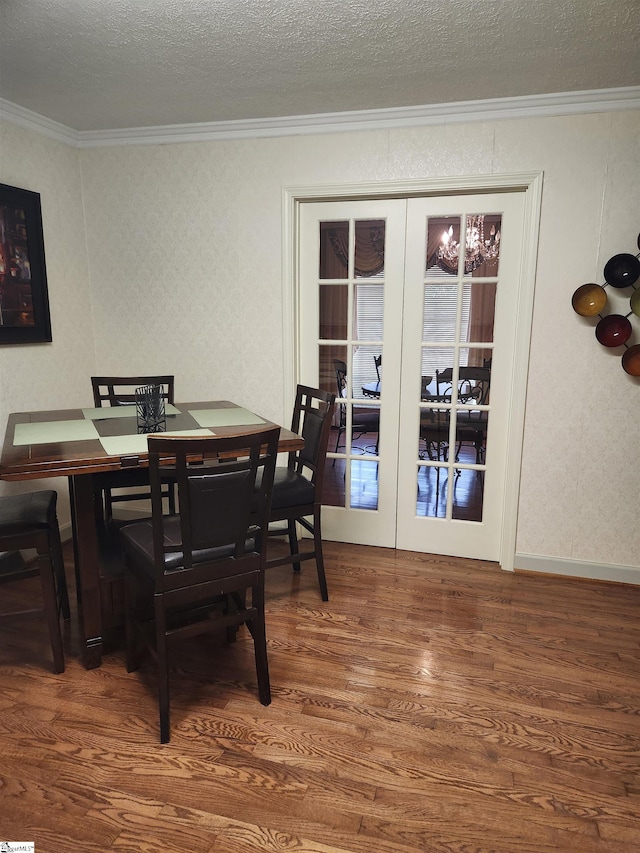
(291, 489)
(137, 539)
(21, 514)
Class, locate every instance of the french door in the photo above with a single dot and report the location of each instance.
(407, 309)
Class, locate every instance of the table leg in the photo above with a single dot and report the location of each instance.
(87, 557)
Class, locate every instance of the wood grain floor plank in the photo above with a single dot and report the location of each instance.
(433, 705)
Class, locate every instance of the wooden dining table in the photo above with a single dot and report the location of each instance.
(79, 443)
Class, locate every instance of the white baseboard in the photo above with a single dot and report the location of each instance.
(577, 568)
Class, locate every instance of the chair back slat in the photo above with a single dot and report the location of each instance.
(120, 390)
(312, 433)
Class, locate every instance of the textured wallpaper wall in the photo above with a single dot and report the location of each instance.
(48, 376)
(184, 256)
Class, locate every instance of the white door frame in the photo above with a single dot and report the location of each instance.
(531, 185)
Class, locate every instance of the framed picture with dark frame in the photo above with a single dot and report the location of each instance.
(24, 297)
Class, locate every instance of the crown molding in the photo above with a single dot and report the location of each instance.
(41, 124)
(496, 109)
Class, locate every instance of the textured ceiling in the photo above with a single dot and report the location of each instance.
(102, 64)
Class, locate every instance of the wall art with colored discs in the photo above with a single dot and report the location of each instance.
(614, 330)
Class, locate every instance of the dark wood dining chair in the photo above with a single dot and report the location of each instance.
(189, 573)
(29, 521)
(131, 484)
(297, 488)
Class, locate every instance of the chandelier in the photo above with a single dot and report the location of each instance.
(478, 249)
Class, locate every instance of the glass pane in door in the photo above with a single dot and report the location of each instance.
(369, 248)
(443, 238)
(368, 310)
(481, 297)
(440, 312)
(432, 492)
(334, 250)
(468, 495)
(333, 486)
(482, 244)
(332, 359)
(333, 301)
(364, 484)
(366, 385)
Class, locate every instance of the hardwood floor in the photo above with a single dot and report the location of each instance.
(433, 705)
